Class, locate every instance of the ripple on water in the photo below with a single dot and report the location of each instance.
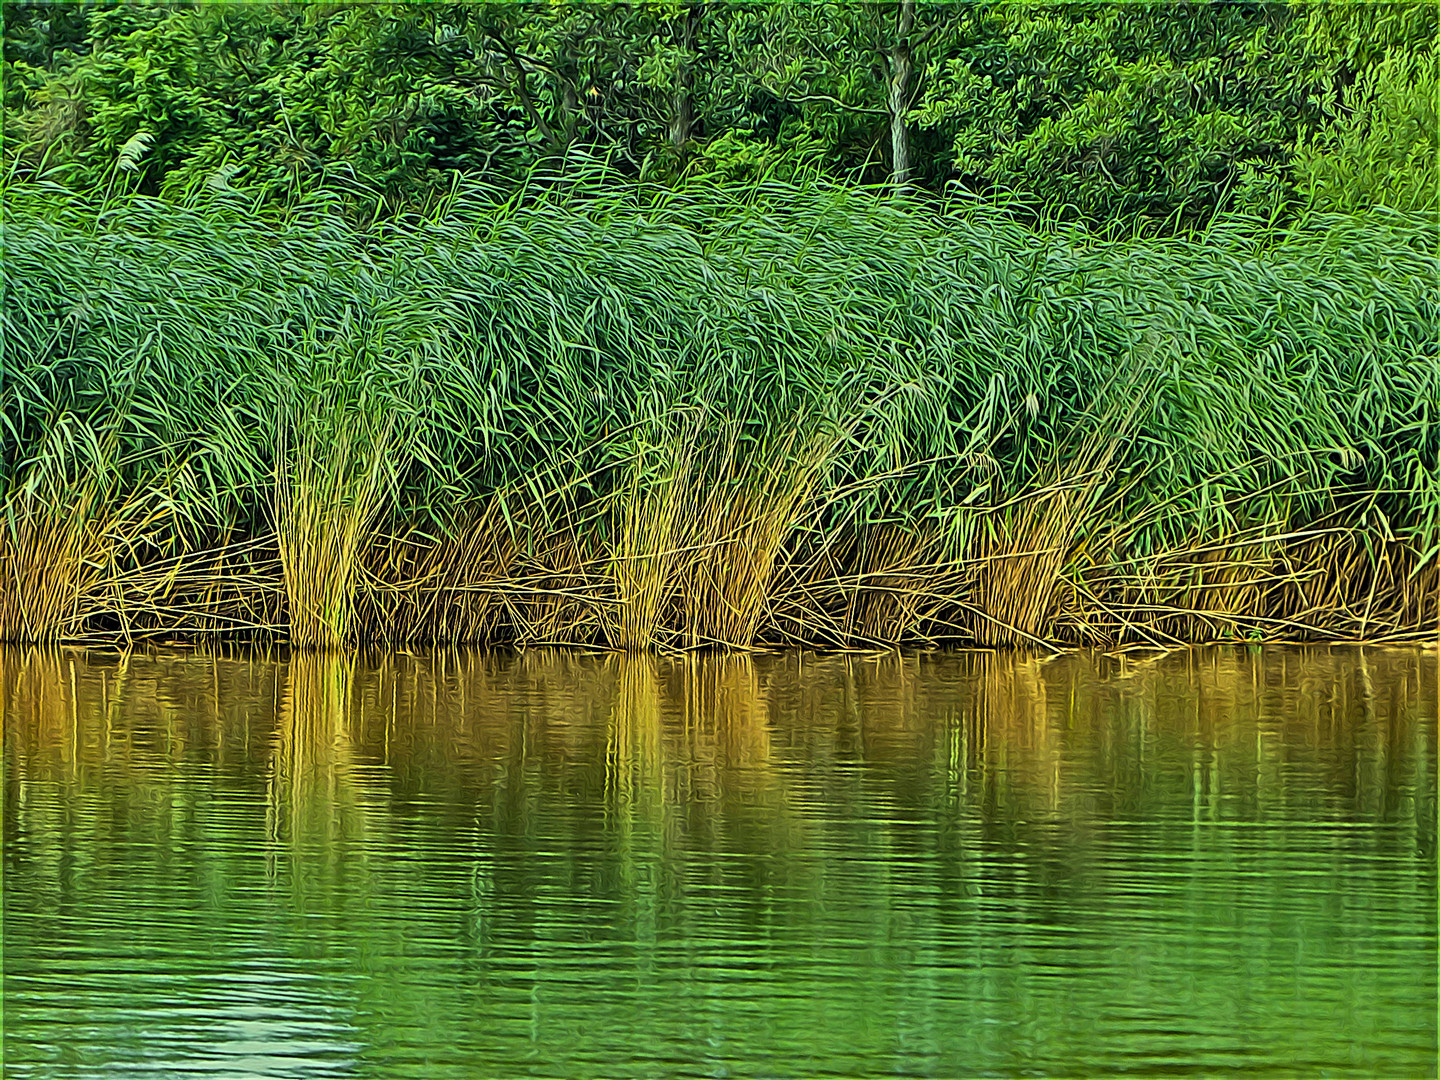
(1218, 861)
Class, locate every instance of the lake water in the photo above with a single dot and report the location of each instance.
(444, 865)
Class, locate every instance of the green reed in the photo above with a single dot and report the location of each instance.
(1058, 433)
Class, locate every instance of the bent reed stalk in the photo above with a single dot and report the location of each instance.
(656, 420)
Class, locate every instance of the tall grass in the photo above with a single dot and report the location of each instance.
(649, 419)
(653, 500)
(327, 499)
(42, 558)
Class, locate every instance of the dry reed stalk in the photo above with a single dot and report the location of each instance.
(896, 575)
(121, 562)
(681, 568)
(327, 499)
(1205, 590)
(1360, 585)
(155, 576)
(75, 578)
(443, 590)
(560, 590)
(1275, 583)
(1018, 560)
(881, 586)
(644, 553)
(231, 589)
(1226, 590)
(736, 531)
(47, 560)
(521, 571)
(808, 594)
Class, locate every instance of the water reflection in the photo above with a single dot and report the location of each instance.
(461, 864)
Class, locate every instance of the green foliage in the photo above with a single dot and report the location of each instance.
(270, 96)
(1384, 150)
(1119, 110)
(1166, 113)
(1351, 38)
(280, 98)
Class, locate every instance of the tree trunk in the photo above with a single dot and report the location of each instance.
(901, 75)
(680, 119)
(680, 101)
(522, 88)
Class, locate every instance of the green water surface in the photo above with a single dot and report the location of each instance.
(1212, 862)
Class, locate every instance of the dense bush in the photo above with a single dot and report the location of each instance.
(1169, 112)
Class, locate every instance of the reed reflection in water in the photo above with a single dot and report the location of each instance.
(468, 864)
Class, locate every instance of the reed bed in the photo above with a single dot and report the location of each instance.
(649, 420)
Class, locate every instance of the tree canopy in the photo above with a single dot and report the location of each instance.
(1167, 112)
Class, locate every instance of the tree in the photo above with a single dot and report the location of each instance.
(1381, 145)
(1167, 112)
(1122, 110)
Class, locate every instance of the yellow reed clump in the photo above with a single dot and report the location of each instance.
(44, 563)
(328, 495)
(737, 529)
